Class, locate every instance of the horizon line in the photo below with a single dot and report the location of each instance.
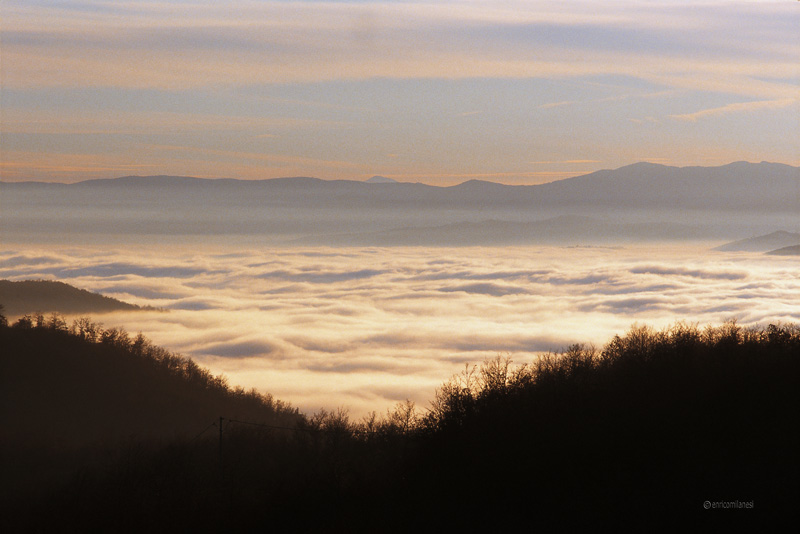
(396, 179)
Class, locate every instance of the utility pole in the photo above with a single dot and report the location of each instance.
(221, 419)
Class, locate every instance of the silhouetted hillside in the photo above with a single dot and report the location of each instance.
(46, 296)
(677, 425)
(649, 428)
(786, 251)
(762, 243)
(74, 398)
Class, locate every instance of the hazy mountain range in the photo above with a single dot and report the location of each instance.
(640, 201)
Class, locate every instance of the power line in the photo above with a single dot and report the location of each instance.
(204, 431)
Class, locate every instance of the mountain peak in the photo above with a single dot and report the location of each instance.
(479, 184)
(644, 165)
(381, 180)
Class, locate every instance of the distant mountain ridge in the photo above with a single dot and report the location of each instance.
(731, 186)
(628, 173)
(381, 180)
(641, 185)
(716, 203)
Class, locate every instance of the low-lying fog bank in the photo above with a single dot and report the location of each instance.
(363, 328)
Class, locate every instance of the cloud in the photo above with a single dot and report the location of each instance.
(101, 89)
(194, 304)
(580, 279)
(634, 305)
(324, 277)
(646, 120)
(144, 292)
(473, 275)
(694, 273)
(171, 46)
(365, 328)
(101, 122)
(241, 349)
(16, 261)
(740, 107)
(119, 269)
(494, 290)
(562, 103)
(624, 289)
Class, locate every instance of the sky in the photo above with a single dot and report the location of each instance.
(519, 92)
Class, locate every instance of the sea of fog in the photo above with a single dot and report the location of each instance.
(364, 328)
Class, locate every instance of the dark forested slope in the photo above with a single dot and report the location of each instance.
(682, 424)
(72, 398)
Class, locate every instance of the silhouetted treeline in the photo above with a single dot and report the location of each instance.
(74, 397)
(648, 428)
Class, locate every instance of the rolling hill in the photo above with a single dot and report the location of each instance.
(45, 296)
(72, 401)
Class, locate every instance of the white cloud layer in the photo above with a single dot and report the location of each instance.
(364, 328)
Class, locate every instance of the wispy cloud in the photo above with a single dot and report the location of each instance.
(563, 103)
(739, 107)
(273, 88)
(104, 121)
(645, 120)
(172, 45)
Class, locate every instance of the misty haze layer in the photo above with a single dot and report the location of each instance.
(365, 327)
